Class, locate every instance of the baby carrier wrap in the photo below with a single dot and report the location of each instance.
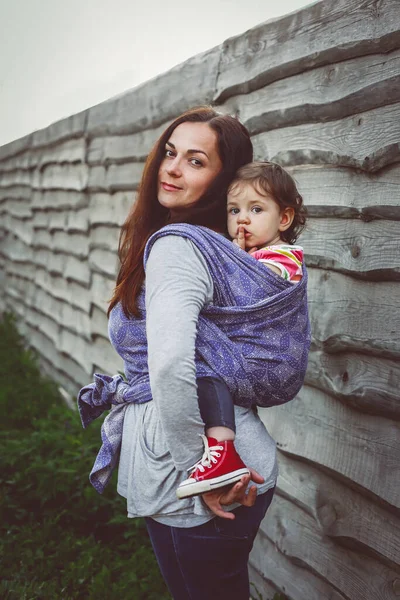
(255, 336)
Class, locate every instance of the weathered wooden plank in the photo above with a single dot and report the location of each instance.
(50, 220)
(16, 192)
(14, 249)
(370, 248)
(69, 291)
(71, 127)
(77, 270)
(367, 383)
(64, 379)
(316, 35)
(290, 578)
(104, 237)
(57, 220)
(65, 315)
(101, 290)
(24, 160)
(21, 229)
(351, 315)
(46, 325)
(10, 179)
(59, 199)
(104, 357)
(115, 178)
(367, 141)
(360, 448)
(64, 369)
(20, 208)
(70, 267)
(106, 209)
(323, 94)
(158, 100)
(16, 146)
(73, 150)
(341, 513)
(54, 263)
(70, 151)
(76, 244)
(260, 588)
(19, 287)
(346, 193)
(99, 323)
(103, 262)
(66, 176)
(298, 536)
(40, 219)
(78, 221)
(20, 269)
(123, 148)
(76, 347)
(63, 220)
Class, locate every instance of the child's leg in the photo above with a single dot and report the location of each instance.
(216, 408)
(221, 464)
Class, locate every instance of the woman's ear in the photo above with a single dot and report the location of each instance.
(287, 216)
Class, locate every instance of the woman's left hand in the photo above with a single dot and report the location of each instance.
(231, 495)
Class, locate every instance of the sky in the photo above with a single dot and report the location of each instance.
(58, 57)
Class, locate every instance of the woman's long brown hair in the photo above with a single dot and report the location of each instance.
(148, 215)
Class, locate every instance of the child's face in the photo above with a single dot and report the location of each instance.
(259, 214)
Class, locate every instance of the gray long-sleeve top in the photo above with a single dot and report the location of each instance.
(161, 438)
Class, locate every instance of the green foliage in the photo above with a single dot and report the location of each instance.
(58, 537)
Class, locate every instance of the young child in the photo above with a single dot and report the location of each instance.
(265, 217)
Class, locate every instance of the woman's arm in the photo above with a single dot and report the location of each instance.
(178, 285)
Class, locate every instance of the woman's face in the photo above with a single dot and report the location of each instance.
(191, 163)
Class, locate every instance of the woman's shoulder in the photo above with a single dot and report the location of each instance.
(201, 236)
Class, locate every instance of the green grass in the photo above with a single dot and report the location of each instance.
(58, 538)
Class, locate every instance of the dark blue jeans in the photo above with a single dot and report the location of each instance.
(215, 403)
(209, 562)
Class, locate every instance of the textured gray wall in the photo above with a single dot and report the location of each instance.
(319, 91)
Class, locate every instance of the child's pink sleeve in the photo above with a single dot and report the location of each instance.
(289, 259)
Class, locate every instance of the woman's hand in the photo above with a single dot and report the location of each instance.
(230, 495)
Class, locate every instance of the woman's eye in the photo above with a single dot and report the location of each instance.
(196, 162)
(169, 153)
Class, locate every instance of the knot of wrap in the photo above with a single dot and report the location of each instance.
(95, 398)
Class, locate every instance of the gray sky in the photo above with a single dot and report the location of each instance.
(58, 57)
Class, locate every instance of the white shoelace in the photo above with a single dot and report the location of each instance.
(210, 456)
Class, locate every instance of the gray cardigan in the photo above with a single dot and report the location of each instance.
(161, 438)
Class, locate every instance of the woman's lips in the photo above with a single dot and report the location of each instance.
(168, 187)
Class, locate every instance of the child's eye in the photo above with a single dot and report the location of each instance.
(256, 209)
(233, 211)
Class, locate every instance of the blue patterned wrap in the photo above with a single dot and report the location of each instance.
(255, 336)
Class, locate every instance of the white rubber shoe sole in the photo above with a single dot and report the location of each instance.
(191, 487)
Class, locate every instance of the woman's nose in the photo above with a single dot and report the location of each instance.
(173, 168)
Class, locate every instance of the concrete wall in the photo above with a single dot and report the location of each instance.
(319, 91)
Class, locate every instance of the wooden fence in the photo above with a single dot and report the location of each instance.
(319, 90)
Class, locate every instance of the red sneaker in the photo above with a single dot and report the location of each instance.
(220, 465)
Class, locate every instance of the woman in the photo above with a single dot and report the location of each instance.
(202, 549)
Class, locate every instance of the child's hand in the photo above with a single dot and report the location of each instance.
(240, 240)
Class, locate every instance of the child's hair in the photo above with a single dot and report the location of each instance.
(271, 178)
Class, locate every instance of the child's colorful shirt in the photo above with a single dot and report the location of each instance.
(287, 258)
